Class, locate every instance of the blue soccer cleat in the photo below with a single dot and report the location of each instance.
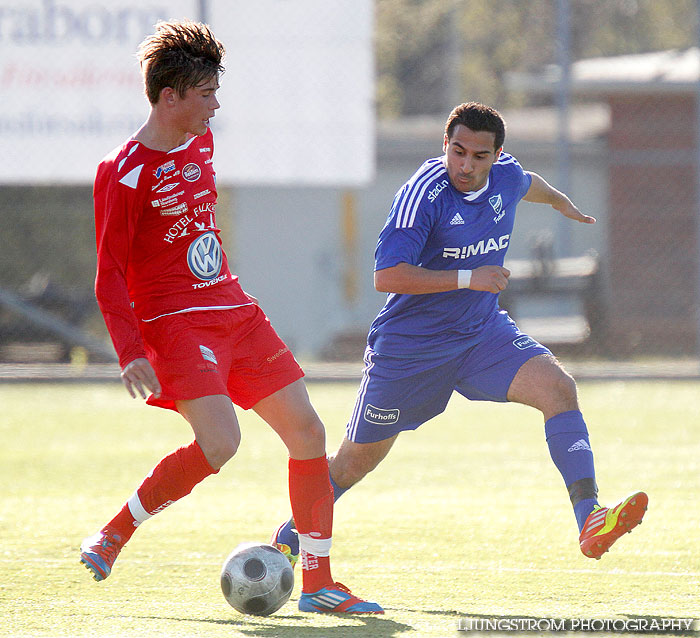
(99, 551)
(337, 599)
(286, 540)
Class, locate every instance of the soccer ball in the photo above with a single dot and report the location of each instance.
(257, 579)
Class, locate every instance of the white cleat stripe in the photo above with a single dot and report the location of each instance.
(598, 516)
(333, 598)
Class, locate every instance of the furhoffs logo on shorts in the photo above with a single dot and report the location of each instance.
(381, 416)
(524, 342)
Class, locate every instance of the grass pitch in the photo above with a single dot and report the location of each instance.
(466, 519)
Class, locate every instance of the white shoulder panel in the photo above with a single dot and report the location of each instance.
(131, 179)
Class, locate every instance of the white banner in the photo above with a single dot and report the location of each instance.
(71, 84)
(296, 98)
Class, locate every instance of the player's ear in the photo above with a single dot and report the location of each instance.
(497, 154)
(445, 143)
(168, 95)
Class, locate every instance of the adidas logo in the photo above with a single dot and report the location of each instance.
(581, 444)
(457, 219)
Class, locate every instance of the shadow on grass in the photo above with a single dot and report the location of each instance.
(372, 626)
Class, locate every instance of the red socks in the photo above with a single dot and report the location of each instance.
(174, 477)
(310, 493)
(311, 496)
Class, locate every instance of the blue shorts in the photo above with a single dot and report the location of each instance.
(399, 394)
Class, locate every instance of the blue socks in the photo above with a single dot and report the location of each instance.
(570, 449)
(337, 491)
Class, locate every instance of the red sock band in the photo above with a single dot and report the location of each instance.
(174, 477)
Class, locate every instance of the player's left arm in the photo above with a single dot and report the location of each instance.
(540, 192)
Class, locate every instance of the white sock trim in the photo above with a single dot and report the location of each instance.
(316, 546)
(136, 508)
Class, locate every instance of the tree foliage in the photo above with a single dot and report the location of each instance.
(433, 53)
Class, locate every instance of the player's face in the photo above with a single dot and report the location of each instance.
(469, 156)
(198, 106)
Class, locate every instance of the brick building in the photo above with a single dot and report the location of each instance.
(653, 208)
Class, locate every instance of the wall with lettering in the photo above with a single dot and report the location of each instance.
(296, 97)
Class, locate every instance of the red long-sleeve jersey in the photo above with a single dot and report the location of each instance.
(158, 246)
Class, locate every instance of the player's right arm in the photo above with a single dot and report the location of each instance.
(114, 228)
(407, 279)
(401, 242)
(139, 376)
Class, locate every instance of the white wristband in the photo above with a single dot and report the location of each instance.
(464, 278)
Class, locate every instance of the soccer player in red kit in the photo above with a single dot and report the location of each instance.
(183, 327)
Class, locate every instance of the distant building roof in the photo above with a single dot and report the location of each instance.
(674, 70)
(423, 135)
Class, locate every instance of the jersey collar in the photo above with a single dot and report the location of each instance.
(472, 195)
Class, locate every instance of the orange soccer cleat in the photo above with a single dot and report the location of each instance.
(605, 525)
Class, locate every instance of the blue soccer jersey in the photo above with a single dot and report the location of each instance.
(435, 226)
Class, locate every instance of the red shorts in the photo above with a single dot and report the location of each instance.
(232, 352)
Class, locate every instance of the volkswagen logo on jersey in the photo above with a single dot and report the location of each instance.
(204, 257)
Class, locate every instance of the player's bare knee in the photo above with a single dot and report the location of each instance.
(312, 429)
(306, 439)
(558, 395)
(221, 450)
(559, 385)
(565, 390)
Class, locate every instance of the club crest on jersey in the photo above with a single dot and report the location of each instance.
(164, 168)
(204, 257)
(191, 172)
(497, 205)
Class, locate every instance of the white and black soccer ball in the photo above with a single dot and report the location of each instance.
(257, 579)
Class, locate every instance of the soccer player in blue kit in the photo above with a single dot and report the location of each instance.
(440, 257)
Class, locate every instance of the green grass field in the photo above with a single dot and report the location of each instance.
(467, 518)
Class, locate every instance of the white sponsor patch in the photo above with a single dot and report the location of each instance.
(524, 342)
(381, 416)
(208, 354)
